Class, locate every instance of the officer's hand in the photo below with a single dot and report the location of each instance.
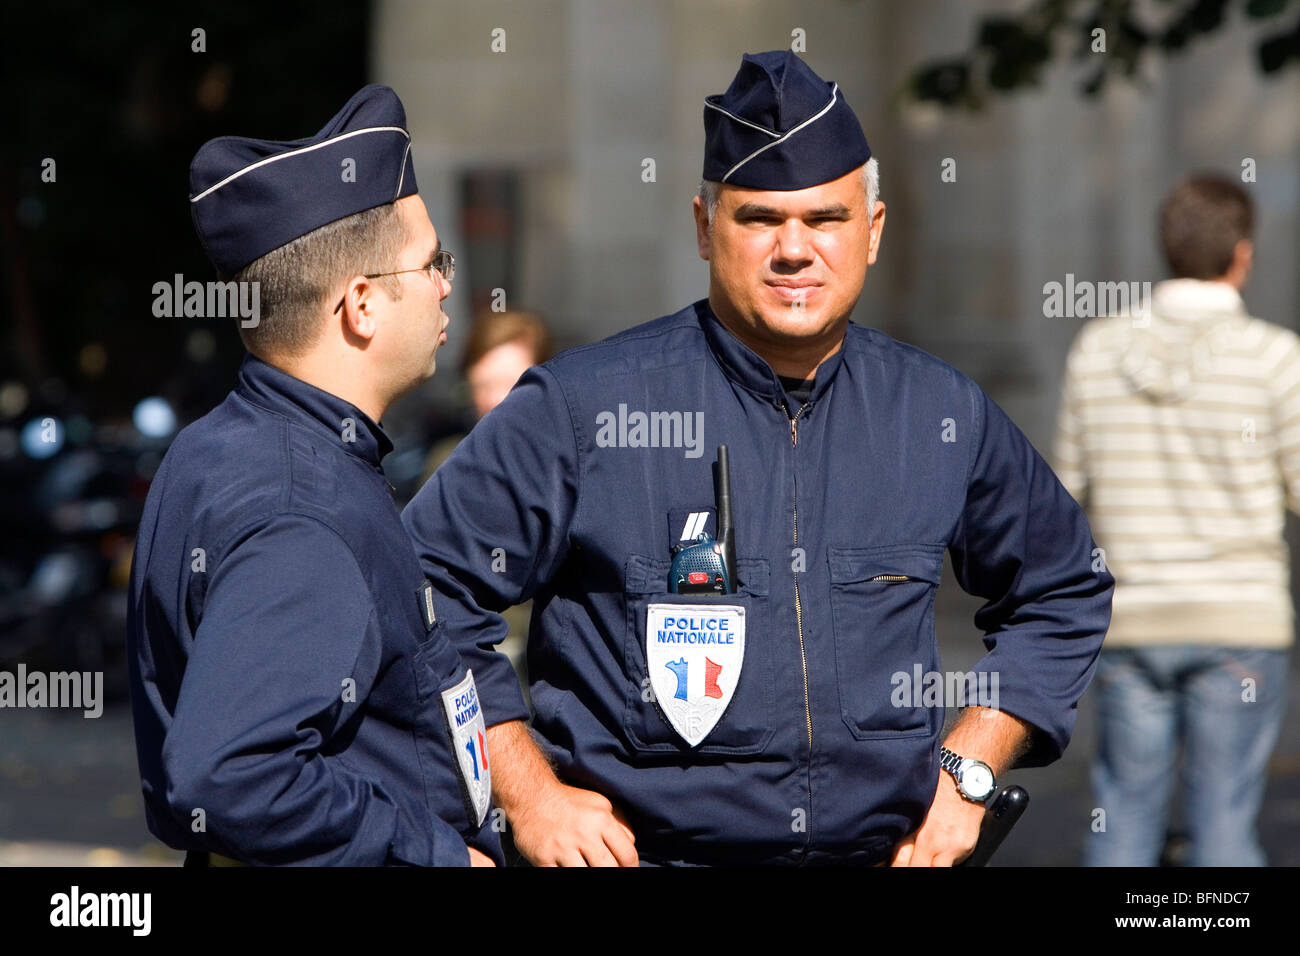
(479, 859)
(566, 826)
(948, 833)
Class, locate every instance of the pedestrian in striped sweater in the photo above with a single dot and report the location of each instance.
(1179, 432)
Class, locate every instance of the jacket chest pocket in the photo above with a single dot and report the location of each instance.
(700, 687)
(882, 613)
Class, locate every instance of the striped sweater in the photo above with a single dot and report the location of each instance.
(1179, 433)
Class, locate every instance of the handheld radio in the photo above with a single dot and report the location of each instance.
(708, 565)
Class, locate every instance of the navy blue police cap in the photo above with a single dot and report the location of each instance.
(780, 126)
(249, 196)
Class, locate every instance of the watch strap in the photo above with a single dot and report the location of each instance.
(950, 761)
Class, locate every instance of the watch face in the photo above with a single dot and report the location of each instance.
(977, 781)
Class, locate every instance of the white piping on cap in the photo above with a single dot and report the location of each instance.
(835, 92)
(307, 149)
(402, 178)
(745, 122)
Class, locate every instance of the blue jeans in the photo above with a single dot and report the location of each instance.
(1150, 698)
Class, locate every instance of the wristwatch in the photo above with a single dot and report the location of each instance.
(974, 777)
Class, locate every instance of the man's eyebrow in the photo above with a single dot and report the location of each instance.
(755, 210)
(835, 211)
(436, 249)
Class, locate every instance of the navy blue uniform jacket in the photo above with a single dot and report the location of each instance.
(284, 680)
(895, 457)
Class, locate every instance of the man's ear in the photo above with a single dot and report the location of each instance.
(1243, 254)
(877, 230)
(359, 301)
(703, 237)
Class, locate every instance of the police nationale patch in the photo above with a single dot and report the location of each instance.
(469, 740)
(694, 652)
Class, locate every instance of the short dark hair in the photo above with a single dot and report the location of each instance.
(491, 329)
(1201, 222)
(296, 280)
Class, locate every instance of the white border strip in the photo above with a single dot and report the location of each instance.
(835, 92)
(307, 149)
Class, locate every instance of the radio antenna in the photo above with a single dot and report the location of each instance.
(726, 530)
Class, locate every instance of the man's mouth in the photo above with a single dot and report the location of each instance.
(793, 290)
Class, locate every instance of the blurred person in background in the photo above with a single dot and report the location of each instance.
(499, 348)
(1179, 431)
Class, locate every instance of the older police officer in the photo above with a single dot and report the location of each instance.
(762, 725)
(296, 698)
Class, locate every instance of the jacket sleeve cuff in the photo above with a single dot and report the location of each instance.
(498, 687)
(1052, 714)
(443, 846)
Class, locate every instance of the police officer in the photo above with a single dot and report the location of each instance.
(295, 695)
(774, 724)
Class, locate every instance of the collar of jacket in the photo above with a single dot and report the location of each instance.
(280, 392)
(752, 373)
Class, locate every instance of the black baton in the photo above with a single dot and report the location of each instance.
(1001, 815)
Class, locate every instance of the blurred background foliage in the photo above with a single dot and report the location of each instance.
(1010, 51)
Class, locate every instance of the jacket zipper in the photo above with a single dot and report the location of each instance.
(798, 613)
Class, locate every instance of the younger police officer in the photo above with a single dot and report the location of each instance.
(296, 699)
(761, 726)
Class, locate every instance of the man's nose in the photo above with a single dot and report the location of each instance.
(793, 246)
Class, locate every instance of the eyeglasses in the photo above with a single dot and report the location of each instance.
(443, 263)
